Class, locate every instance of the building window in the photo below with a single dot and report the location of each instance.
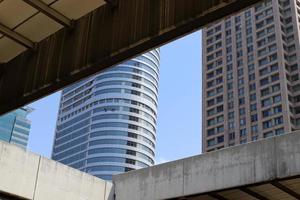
(254, 118)
(220, 129)
(210, 122)
(227, 24)
(242, 101)
(229, 67)
(220, 119)
(229, 76)
(210, 102)
(248, 13)
(229, 86)
(241, 81)
(210, 112)
(220, 139)
(230, 105)
(277, 99)
(218, 28)
(250, 58)
(265, 92)
(254, 138)
(266, 113)
(252, 87)
(249, 40)
(239, 45)
(252, 77)
(277, 109)
(243, 132)
(275, 77)
(231, 115)
(278, 121)
(251, 67)
(241, 91)
(230, 95)
(231, 125)
(264, 81)
(266, 102)
(220, 109)
(242, 122)
(279, 131)
(253, 97)
(267, 124)
(240, 72)
(244, 141)
(219, 80)
(231, 136)
(210, 132)
(253, 107)
(242, 111)
(211, 142)
(268, 134)
(254, 129)
(219, 99)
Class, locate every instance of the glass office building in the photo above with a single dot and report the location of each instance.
(107, 123)
(15, 127)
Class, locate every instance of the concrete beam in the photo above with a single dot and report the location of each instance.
(28, 176)
(244, 165)
(16, 37)
(101, 39)
(18, 171)
(50, 12)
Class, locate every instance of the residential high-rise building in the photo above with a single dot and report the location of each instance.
(15, 127)
(251, 85)
(107, 123)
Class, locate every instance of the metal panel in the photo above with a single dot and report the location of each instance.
(103, 38)
(286, 189)
(50, 12)
(16, 37)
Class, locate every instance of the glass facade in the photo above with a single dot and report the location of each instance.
(15, 127)
(107, 123)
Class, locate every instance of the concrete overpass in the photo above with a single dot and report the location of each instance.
(46, 45)
(267, 169)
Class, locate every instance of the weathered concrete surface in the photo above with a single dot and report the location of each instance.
(31, 176)
(18, 171)
(257, 162)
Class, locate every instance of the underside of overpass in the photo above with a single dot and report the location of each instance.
(46, 45)
(285, 189)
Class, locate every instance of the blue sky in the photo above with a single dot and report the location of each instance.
(179, 112)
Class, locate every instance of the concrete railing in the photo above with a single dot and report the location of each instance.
(256, 162)
(29, 176)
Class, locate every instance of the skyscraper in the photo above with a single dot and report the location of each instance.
(107, 123)
(15, 127)
(251, 75)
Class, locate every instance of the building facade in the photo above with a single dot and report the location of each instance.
(15, 127)
(251, 85)
(107, 123)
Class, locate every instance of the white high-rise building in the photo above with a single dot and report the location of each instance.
(251, 75)
(107, 123)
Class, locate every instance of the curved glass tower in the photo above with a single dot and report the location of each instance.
(107, 123)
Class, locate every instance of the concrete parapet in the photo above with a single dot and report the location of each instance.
(252, 163)
(30, 176)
